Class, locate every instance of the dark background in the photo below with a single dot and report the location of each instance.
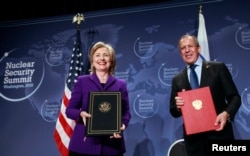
(26, 9)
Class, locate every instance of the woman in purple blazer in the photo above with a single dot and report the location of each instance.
(103, 61)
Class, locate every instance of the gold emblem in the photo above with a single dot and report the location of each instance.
(197, 104)
(104, 107)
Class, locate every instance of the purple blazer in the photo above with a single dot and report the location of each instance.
(79, 102)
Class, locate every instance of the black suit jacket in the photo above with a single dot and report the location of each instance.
(215, 75)
(225, 96)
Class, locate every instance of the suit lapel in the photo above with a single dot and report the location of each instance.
(204, 73)
(185, 80)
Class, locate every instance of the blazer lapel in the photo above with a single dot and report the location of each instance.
(96, 81)
(109, 82)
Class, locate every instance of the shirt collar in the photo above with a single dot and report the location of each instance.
(198, 62)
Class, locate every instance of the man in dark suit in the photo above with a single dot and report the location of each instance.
(224, 93)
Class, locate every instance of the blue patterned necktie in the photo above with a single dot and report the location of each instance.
(193, 77)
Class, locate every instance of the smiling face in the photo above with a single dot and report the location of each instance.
(102, 60)
(189, 49)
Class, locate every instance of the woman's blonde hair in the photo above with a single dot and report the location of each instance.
(111, 50)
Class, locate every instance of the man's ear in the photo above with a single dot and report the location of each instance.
(199, 50)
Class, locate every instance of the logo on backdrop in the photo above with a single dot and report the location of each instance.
(145, 106)
(122, 75)
(17, 78)
(246, 99)
(144, 49)
(233, 69)
(49, 110)
(242, 37)
(165, 74)
(54, 56)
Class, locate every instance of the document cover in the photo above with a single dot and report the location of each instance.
(105, 109)
(198, 112)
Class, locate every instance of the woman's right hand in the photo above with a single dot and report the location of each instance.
(84, 115)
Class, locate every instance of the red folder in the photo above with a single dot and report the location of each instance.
(198, 112)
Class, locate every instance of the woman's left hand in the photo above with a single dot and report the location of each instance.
(118, 135)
